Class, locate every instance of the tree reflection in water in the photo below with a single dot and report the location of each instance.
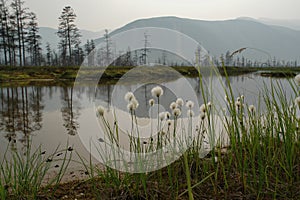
(21, 113)
(70, 110)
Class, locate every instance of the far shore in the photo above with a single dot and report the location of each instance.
(51, 75)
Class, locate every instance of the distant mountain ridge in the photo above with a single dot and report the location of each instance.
(220, 36)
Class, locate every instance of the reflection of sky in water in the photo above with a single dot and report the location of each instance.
(54, 99)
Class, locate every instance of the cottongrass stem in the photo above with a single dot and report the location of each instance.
(190, 113)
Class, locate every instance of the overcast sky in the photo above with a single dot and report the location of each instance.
(100, 14)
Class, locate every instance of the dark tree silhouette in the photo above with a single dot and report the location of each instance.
(49, 58)
(145, 50)
(108, 55)
(20, 15)
(89, 47)
(69, 35)
(4, 24)
(33, 40)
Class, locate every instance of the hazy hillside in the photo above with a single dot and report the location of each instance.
(219, 36)
(49, 35)
(293, 24)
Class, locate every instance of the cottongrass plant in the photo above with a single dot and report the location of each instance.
(170, 131)
(252, 143)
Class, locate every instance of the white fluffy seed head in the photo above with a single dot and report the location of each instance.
(202, 115)
(209, 104)
(162, 116)
(130, 106)
(167, 114)
(203, 108)
(129, 96)
(252, 108)
(157, 91)
(190, 113)
(216, 159)
(133, 105)
(179, 102)
(151, 102)
(100, 110)
(173, 105)
(189, 104)
(238, 105)
(176, 112)
(297, 79)
(169, 122)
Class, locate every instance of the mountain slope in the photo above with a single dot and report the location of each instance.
(265, 41)
(293, 24)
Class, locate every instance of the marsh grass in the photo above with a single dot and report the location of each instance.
(261, 161)
(23, 173)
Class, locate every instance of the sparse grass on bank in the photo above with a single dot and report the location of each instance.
(66, 75)
(264, 71)
(69, 74)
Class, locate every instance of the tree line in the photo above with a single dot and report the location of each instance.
(20, 41)
(231, 59)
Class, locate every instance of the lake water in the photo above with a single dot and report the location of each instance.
(53, 115)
